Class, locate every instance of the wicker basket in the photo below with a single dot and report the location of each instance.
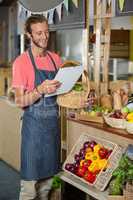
(128, 192)
(104, 175)
(113, 197)
(114, 122)
(89, 118)
(75, 99)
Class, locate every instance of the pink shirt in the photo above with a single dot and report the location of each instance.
(23, 71)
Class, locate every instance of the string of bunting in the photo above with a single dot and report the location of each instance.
(120, 3)
(24, 13)
(108, 2)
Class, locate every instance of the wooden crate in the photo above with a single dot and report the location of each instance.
(119, 197)
(55, 194)
(89, 118)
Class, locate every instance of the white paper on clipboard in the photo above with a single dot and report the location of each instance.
(67, 76)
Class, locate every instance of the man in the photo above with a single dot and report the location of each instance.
(33, 74)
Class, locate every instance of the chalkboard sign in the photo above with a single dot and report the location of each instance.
(75, 18)
(127, 9)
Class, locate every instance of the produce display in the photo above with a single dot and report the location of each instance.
(91, 159)
(93, 114)
(121, 119)
(121, 176)
(95, 111)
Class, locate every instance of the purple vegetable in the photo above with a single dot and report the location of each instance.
(77, 157)
(82, 152)
(86, 145)
(70, 167)
(92, 144)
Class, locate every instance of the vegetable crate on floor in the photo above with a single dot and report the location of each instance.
(127, 194)
(116, 197)
(55, 194)
(105, 173)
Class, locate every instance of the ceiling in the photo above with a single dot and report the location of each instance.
(6, 2)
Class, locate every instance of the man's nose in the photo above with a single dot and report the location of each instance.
(44, 35)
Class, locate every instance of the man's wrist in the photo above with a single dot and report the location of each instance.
(37, 90)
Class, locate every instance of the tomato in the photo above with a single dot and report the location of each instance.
(90, 177)
(103, 152)
(81, 171)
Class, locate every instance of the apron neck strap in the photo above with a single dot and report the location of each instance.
(51, 58)
(33, 61)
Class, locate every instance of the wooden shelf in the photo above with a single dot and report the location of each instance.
(105, 127)
(90, 190)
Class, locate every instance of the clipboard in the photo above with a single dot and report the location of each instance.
(67, 76)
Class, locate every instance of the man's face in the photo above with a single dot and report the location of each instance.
(40, 35)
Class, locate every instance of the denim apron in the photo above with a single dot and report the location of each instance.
(40, 148)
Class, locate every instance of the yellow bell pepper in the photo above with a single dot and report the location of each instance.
(102, 163)
(88, 156)
(93, 167)
(81, 163)
(130, 116)
(96, 148)
(88, 150)
(92, 156)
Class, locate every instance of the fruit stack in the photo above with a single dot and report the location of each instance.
(89, 158)
(95, 114)
(116, 119)
(121, 119)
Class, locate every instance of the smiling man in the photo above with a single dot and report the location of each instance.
(33, 74)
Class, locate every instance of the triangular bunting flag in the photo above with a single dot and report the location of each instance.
(121, 4)
(23, 13)
(19, 9)
(75, 3)
(51, 16)
(45, 14)
(109, 2)
(58, 9)
(66, 4)
(29, 13)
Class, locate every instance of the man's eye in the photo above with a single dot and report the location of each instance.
(40, 33)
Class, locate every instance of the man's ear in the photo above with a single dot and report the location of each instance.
(28, 35)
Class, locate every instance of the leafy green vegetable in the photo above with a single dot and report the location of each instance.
(115, 187)
(57, 182)
(124, 162)
(130, 175)
(78, 87)
(120, 174)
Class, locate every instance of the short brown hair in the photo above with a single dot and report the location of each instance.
(33, 19)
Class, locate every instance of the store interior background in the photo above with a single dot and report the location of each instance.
(68, 41)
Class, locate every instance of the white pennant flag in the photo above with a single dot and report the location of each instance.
(51, 16)
(45, 14)
(66, 4)
(58, 9)
(75, 3)
(121, 4)
(19, 9)
(29, 13)
(23, 13)
(109, 2)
